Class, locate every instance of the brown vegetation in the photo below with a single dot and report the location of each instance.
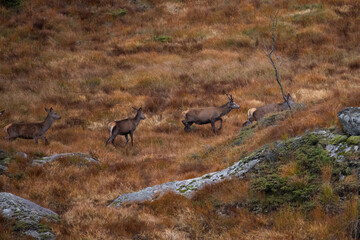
(92, 64)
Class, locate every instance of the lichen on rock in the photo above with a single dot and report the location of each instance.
(310, 149)
(30, 218)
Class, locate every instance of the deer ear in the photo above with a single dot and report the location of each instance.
(47, 110)
(140, 108)
(51, 109)
(134, 108)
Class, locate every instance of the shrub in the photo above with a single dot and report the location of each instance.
(162, 38)
(119, 12)
(92, 83)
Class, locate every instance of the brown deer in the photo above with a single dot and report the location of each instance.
(125, 127)
(261, 112)
(31, 130)
(208, 115)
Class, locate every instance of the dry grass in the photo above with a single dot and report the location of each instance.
(92, 67)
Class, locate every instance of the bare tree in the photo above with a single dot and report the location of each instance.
(270, 51)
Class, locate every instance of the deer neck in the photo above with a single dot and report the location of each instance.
(46, 124)
(225, 109)
(137, 119)
(284, 106)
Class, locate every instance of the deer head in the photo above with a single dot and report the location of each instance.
(231, 103)
(52, 114)
(140, 112)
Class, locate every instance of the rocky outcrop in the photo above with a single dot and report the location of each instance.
(141, 5)
(350, 120)
(336, 146)
(186, 187)
(4, 160)
(79, 157)
(27, 216)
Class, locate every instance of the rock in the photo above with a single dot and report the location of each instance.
(141, 5)
(3, 154)
(187, 188)
(77, 157)
(21, 155)
(3, 161)
(27, 216)
(350, 120)
(3, 169)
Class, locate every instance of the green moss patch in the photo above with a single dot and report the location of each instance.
(353, 140)
(338, 139)
(272, 187)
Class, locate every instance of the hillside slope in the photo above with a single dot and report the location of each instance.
(92, 61)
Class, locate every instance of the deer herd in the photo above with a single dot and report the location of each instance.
(127, 126)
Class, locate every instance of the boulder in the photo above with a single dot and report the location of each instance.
(350, 120)
(80, 158)
(338, 147)
(3, 161)
(27, 216)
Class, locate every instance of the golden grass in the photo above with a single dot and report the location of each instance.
(92, 68)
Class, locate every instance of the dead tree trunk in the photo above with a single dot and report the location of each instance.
(276, 63)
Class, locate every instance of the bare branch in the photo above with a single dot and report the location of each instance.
(276, 63)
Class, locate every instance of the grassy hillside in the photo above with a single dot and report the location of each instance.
(92, 61)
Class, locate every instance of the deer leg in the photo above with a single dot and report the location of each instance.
(131, 135)
(36, 140)
(111, 139)
(213, 125)
(220, 124)
(127, 139)
(187, 125)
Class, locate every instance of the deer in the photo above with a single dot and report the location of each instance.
(125, 127)
(261, 112)
(207, 115)
(31, 130)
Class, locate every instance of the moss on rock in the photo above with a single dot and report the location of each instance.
(353, 140)
(338, 139)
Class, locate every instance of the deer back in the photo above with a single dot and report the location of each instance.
(264, 110)
(203, 114)
(25, 130)
(125, 125)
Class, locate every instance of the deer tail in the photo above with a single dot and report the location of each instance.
(111, 127)
(185, 112)
(6, 128)
(251, 112)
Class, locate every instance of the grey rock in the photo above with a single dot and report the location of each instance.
(21, 155)
(141, 5)
(188, 187)
(27, 216)
(3, 169)
(3, 154)
(52, 158)
(350, 120)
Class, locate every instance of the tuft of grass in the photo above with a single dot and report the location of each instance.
(162, 38)
(119, 12)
